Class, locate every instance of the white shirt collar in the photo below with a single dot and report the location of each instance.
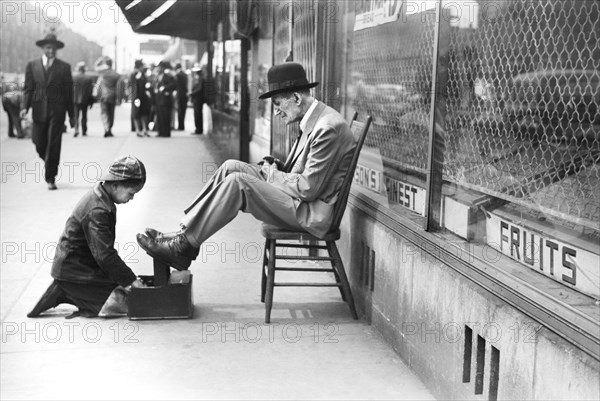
(45, 60)
(311, 109)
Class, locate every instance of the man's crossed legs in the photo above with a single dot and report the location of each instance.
(235, 186)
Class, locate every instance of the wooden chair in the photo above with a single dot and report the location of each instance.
(277, 238)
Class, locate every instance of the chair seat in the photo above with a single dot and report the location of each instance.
(273, 232)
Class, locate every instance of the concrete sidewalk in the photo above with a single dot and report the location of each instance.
(312, 350)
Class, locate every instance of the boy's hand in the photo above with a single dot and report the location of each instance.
(138, 284)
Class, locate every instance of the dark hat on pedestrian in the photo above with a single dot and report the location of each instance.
(138, 63)
(177, 66)
(125, 168)
(50, 39)
(165, 64)
(286, 77)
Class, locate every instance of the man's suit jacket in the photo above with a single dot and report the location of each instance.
(319, 164)
(107, 86)
(48, 92)
(83, 86)
(163, 88)
(182, 85)
(197, 93)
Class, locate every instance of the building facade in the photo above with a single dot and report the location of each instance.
(472, 234)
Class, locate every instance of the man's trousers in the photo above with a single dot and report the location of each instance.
(107, 112)
(237, 186)
(81, 111)
(47, 138)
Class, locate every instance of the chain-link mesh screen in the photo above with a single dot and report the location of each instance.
(305, 36)
(390, 80)
(304, 50)
(281, 49)
(522, 111)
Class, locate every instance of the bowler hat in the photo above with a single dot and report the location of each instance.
(125, 168)
(286, 77)
(165, 64)
(50, 39)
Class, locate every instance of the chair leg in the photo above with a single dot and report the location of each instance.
(337, 279)
(263, 282)
(339, 267)
(270, 281)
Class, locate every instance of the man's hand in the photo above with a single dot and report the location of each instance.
(271, 160)
(267, 169)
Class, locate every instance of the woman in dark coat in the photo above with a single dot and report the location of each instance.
(140, 98)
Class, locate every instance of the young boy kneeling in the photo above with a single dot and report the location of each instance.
(87, 269)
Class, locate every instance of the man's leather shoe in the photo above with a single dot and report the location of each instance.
(159, 236)
(51, 186)
(176, 251)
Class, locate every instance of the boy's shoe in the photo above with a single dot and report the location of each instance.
(51, 298)
(176, 251)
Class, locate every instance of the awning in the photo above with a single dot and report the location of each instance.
(180, 18)
(190, 19)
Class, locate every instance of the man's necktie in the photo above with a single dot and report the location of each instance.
(288, 165)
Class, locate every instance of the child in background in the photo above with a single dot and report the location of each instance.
(87, 269)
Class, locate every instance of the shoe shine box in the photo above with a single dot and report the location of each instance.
(168, 295)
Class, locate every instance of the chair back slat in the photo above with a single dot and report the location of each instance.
(359, 129)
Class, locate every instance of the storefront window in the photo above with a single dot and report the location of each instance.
(227, 74)
(519, 143)
(522, 142)
(389, 78)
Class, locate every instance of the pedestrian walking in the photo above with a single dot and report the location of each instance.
(198, 98)
(182, 96)
(48, 91)
(83, 86)
(11, 103)
(164, 85)
(140, 99)
(107, 93)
